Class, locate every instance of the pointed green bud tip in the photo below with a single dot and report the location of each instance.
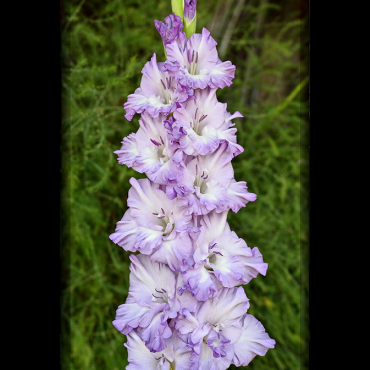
(178, 8)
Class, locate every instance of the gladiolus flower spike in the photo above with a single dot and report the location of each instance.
(186, 308)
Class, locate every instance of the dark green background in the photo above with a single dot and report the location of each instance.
(105, 45)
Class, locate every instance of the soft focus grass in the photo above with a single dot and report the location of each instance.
(104, 48)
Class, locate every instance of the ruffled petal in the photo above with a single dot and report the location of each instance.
(230, 138)
(253, 265)
(175, 253)
(201, 283)
(212, 196)
(229, 270)
(148, 239)
(222, 75)
(125, 234)
(238, 195)
(205, 143)
(128, 151)
(148, 279)
(253, 341)
(155, 334)
(151, 81)
(227, 307)
(206, 361)
(139, 356)
(169, 172)
(136, 103)
(131, 315)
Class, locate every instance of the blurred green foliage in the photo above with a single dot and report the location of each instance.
(104, 48)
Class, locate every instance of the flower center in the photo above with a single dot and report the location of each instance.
(193, 61)
(166, 87)
(160, 296)
(200, 179)
(161, 150)
(165, 221)
(212, 257)
(162, 360)
(197, 126)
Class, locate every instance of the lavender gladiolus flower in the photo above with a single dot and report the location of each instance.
(155, 223)
(153, 299)
(221, 259)
(151, 151)
(208, 184)
(200, 119)
(214, 328)
(194, 62)
(158, 94)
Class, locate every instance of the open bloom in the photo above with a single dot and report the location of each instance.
(155, 225)
(221, 333)
(195, 62)
(150, 151)
(208, 184)
(214, 328)
(158, 94)
(152, 300)
(221, 259)
(200, 119)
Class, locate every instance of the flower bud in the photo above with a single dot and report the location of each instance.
(190, 17)
(170, 29)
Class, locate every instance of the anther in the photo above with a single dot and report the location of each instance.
(196, 111)
(155, 142)
(189, 56)
(202, 118)
(212, 245)
(164, 86)
(196, 58)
